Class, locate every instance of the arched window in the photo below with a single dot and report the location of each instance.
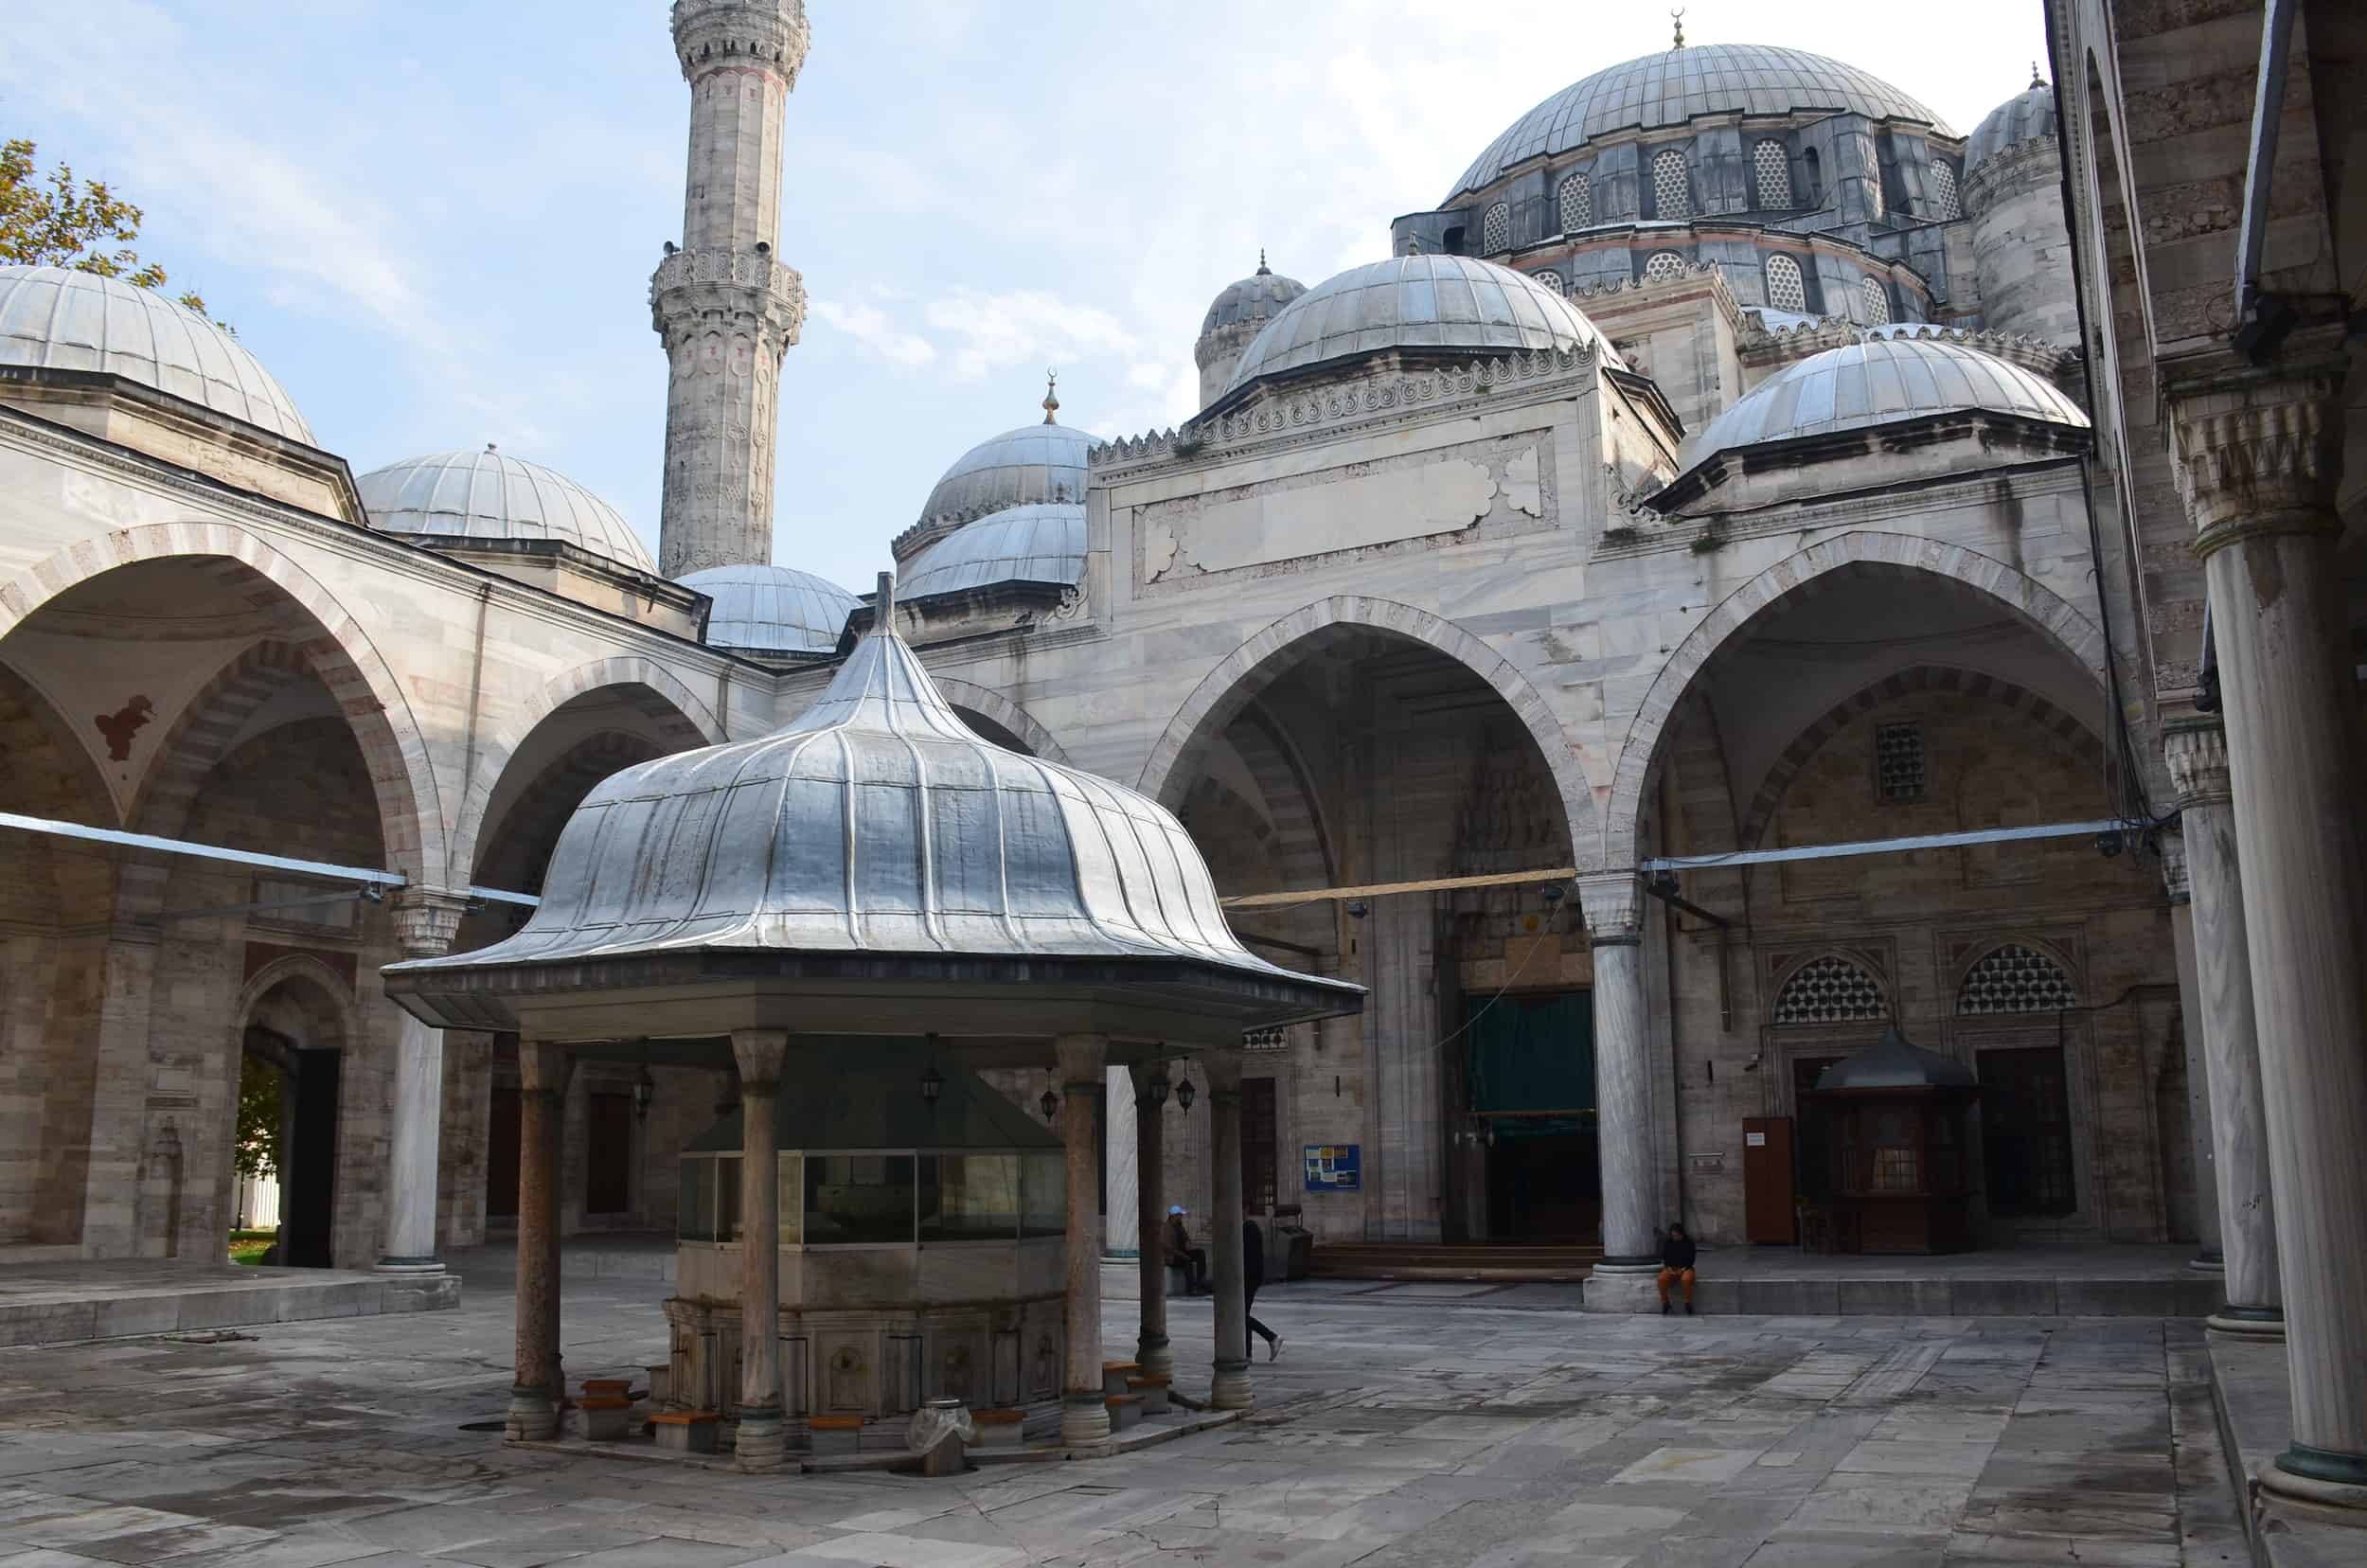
(1496, 230)
(1877, 302)
(1813, 169)
(1664, 264)
(1550, 278)
(1577, 203)
(1830, 990)
(1785, 289)
(1672, 191)
(1773, 167)
(2014, 979)
(1945, 205)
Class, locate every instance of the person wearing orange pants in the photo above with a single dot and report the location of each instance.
(1676, 1263)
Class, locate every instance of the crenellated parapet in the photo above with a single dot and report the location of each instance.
(769, 35)
(691, 287)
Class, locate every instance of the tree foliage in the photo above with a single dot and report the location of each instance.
(55, 219)
(259, 1088)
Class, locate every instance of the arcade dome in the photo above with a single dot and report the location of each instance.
(1457, 303)
(1668, 89)
(773, 609)
(1034, 464)
(53, 318)
(490, 495)
(2027, 117)
(1255, 299)
(1881, 381)
(1039, 543)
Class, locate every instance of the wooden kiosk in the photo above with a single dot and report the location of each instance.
(1901, 1160)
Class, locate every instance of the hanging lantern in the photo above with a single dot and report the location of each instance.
(1156, 1091)
(1186, 1093)
(644, 1091)
(932, 1084)
(1051, 1103)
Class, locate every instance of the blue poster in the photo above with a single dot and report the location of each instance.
(1334, 1168)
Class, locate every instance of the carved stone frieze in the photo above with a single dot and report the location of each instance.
(427, 920)
(716, 34)
(2195, 750)
(2254, 453)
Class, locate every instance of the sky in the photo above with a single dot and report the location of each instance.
(435, 221)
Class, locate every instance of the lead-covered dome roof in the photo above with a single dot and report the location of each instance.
(1442, 302)
(1033, 464)
(1658, 91)
(53, 318)
(1039, 544)
(2027, 117)
(773, 609)
(1879, 382)
(876, 824)
(491, 494)
(1258, 297)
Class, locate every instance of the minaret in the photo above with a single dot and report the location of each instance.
(726, 308)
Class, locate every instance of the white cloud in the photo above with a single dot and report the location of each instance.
(877, 331)
(1014, 327)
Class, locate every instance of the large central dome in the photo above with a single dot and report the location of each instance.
(1676, 85)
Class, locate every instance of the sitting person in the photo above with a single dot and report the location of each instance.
(1676, 1263)
(1183, 1255)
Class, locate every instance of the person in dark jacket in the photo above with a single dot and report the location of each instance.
(1183, 1255)
(1676, 1263)
(1252, 1276)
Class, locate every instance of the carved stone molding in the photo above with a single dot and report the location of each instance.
(427, 920)
(1614, 908)
(2174, 877)
(2249, 455)
(691, 287)
(2195, 750)
(717, 34)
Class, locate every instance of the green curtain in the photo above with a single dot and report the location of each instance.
(1531, 1053)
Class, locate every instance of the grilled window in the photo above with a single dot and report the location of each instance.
(1877, 302)
(2014, 979)
(1496, 230)
(1550, 278)
(1899, 771)
(1785, 289)
(2025, 1131)
(1830, 990)
(1664, 264)
(1577, 203)
(1945, 205)
(1773, 167)
(1259, 1181)
(1672, 191)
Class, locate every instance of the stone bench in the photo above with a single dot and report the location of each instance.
(1126, 1410)
(1000, 1429)
(607, 1418)
(1115, 1373)
(835, 1434)
(1154, 1393)
(685, 1431)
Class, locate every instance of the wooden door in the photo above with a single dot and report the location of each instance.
(608, 1154)
(1768, 1211)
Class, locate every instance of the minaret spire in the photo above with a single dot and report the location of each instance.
(726, 309)
(1051, 396)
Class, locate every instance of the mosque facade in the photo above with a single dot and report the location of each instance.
(1530, 628)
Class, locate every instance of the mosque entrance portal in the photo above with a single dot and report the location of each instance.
(1528, 1065)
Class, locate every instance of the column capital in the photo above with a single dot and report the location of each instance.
(2195, 750)
(427, 919)
(760, 1055)
(543, 1067)
(2258, 453)
(1081, 1061)
(1613, 903)
(1224, 1073)
(1144, 1075)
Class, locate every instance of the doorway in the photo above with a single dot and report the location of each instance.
(308, 1198)
(1529, 1068)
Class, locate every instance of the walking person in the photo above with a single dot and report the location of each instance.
(1676, 1263)
(1252, 1276)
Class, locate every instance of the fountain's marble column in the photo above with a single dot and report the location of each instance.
(2209, 1255)
(1084, 1419)
(425, 923)
(540, 1380)
(1151, 1350)
(2196, 751)
(1622, 1282)
(2258, 454)
(762, 1439)
(1125, 1182)
(1229, 1387)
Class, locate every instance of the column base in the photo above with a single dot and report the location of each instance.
(2252, 1322)
(1230, 1388)
(1622, 1288)
(409, 1266)
(2332, 1484)
(762, 1440)
(532, 1418)
(1084, 1419)
(2207, 1262)
(1155, 1356)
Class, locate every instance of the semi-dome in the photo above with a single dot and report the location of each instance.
(1658, 91)
(773, 609)
(878, 824)
(54, 318)
(1258, 297)
(2027, 117)
(1457, 303)
(1879, 382)
(1035, 544)
(1033, 464)
(491, 494)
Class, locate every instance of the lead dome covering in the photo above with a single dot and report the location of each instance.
(491, 494)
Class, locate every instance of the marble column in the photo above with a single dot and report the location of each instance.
(425, 923)
(1229, 1388)
(539, 1385)
(1117, 1139)
(2257, 459)
(2197, 751)
(762, 1439)
(1083, 1058)
(2210, 1256)
(1151, 1350)
(1623, 1281)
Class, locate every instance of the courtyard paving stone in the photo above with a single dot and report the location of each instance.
(1408, 1428)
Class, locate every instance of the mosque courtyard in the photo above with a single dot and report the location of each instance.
(1411, 1425)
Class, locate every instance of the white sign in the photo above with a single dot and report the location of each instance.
(1754, 1140)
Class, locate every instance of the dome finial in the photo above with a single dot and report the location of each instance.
(491, 447)
(1051, 396)
(884, 605)
(1263, 270)
(2036, 80)
(1677, 16)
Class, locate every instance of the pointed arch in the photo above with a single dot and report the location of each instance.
(1831, 985)
(1225, 690)
(2044, 612)
(2020, 974)
(339, 653)
(992, 704)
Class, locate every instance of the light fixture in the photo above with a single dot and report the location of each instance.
(644, 1091)
(1186, 1093)
(2108, 843)
(1358, 909)
(1553, 895)
(932, 1084)
(1051, 1103)
(1156, 1091)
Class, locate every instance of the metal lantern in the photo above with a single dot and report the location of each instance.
(1051, 1103)
(1156, 1091)
(1186, 1093)
(644, 1091)
(932, 1084)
